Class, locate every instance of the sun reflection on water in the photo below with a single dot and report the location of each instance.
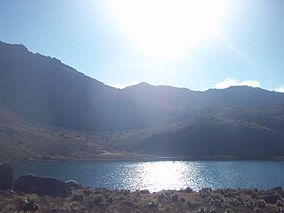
(156, 176)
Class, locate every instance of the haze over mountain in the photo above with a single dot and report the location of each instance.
(36, 90)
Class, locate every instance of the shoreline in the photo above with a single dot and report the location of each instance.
(147, 158)
(87, 199)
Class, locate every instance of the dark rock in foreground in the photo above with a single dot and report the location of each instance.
(41, 185)
(6, 176)
(72, 184)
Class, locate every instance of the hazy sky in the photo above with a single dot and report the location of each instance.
(185, 43)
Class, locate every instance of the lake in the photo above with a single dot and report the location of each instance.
(158, 175)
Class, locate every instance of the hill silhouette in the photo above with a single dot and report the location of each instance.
(37, 90)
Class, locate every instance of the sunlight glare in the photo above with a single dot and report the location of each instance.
(168, 28)
(157, 176)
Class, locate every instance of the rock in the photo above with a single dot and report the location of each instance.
(174, 198)
(261, 204)
(253, 195)
(182, 200)
(202, 210)
(188, 190)
(41, 185)
(109, 200)
(129, 204)
(189, 203)
(124, 192)
(271, 198)
(250, 205)
(256, 209)
(279, 203)
(205, 190)
(87, 191)
(152, 205)
(203, 195)
(30, 206)
(144, 191)
(234, 202)
(77, 197)
(161, 197)
(278, 188)
(73, 184)
(75, 205)
(216, 203)
(6, 176)
(98, 200)
(228, 211)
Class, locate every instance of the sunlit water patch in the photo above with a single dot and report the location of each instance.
(158, 175)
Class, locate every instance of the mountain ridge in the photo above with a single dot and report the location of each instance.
(144, 119)
(26, 50)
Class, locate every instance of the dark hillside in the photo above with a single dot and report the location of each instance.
(46, 106)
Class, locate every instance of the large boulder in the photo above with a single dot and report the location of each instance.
(41, 185)
(271, 198)
(72, 184)
(6, 176)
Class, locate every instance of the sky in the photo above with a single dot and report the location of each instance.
(185, 43)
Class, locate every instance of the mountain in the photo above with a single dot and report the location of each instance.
(47, 91)
(242, 96)
(225, 132)
(45, 104)
(21, 140)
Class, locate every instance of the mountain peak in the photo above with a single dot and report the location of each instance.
(237, 88)
(142, 84)
(15, 48)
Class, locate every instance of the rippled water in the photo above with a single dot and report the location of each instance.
(158, 175)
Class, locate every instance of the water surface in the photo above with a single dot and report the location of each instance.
(158, 175)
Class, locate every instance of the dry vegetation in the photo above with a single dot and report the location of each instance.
(102, 200)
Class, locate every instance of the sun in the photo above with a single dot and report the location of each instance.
(168, 28)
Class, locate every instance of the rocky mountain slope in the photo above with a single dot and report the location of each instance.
(48, 109)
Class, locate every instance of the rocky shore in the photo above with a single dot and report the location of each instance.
(31, 193)
(86, 199)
